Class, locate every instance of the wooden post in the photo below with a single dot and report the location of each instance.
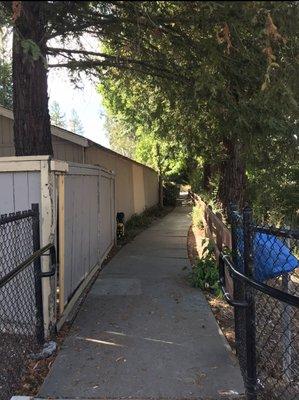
(48, 227)
(61, 238)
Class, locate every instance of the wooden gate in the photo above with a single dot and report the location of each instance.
(86, 227)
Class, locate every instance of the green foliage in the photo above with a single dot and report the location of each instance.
(171, 193)
(6, 92)
(235, 81)
(121, 136)
(5, 84)
(189, 82)
(204, 274)
(139, 222)
(143, 130)
(31, 49)
(197, 216)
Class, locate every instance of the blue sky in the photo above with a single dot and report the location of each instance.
(87, 103)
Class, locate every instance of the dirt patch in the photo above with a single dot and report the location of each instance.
(38, 370)
(223, 313)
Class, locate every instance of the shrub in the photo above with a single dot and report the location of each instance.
(205, 274)
(196, 180)
(197, 216)
(171, 192)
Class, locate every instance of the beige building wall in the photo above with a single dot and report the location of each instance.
(139, 189)
(136, 186)
(6, 137)
(63, 149)
(67, 151)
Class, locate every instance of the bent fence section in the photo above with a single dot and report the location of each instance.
(77, 213)
(259, 275)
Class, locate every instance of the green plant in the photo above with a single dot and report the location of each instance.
(205, 274)
(139, 222)
(197, 216)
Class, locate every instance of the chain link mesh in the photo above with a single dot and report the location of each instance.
(277, 323)
(274, 262)
(239, 289)
(18, 297)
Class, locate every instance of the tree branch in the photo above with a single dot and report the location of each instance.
(116, 61)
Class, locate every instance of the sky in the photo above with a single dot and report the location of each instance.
(86, 101)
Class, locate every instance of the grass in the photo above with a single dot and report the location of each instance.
(197, 216)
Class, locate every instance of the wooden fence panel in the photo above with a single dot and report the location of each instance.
(81, 220)
(86, 212)
(215, 229)
(106, 213)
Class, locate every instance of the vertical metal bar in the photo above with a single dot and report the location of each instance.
(287, 325)
(287, 314)
(250, 381)
(37, 277)
(238, 288)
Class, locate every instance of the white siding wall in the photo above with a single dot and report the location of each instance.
(18, 191)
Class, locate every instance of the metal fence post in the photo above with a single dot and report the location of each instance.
(238, 289)
(287, 326)
(250, 381)
(37, 277)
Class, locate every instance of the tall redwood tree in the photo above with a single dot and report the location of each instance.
(32, 134)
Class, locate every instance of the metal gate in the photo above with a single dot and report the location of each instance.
(260, 278)
(21, 307)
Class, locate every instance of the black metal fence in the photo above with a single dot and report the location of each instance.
(264, 268)
(21, 314)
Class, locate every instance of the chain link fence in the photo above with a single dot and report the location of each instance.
(21, 321)
(277, 322)
(264, 267)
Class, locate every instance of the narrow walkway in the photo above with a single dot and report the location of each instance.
(143, 332)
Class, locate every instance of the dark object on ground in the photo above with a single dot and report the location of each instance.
(120, 229)
(48, 350)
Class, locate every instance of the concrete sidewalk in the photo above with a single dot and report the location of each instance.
(143, 332)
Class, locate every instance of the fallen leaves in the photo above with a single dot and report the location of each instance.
(272, 31)
(224, 36)
(16, 10)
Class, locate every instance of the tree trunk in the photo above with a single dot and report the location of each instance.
(32, 134)
(207, 174)
(232, 176)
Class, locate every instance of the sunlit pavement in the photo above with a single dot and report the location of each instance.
(143, 332)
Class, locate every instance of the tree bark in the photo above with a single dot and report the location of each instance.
(207, 174)
(32, 133)
(232, 176)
